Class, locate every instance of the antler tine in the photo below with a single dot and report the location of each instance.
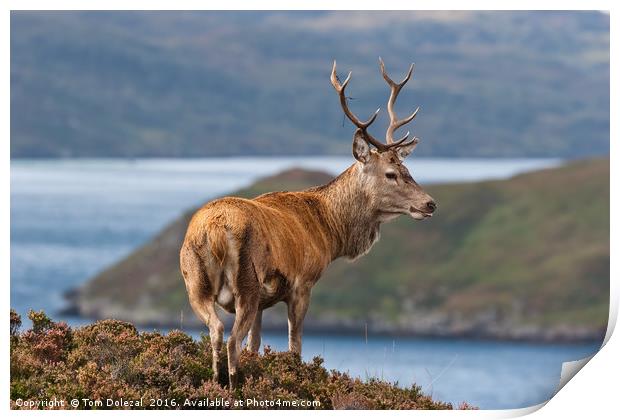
(401, 140)
(345, 107)
(395, 88)
(400, 143)
(390, 81)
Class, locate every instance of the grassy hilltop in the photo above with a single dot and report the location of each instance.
(111, 362)
(524, 258)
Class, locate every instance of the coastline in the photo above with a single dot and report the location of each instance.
(276, 322)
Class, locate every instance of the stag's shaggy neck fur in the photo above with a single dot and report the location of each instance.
(353, 220)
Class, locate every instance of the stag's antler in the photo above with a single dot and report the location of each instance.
(395, 88)
(394, 122)
(345, 107)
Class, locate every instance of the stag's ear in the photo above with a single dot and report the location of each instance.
(361, 150)
(405, 151)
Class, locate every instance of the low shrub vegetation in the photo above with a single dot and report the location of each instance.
(113, 363)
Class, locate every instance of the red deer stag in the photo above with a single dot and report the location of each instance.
(247, 255)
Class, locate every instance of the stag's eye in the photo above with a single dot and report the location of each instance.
(390, 175)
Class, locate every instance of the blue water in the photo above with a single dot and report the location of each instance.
(488, 374)
(72, 218)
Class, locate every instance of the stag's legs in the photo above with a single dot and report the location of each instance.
(199, 290)
(206, 311)
(246, 308)
(204, 307)
(216, 333)
(254, 338)
(297, 308)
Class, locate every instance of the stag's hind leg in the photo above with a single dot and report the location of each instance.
(216, 333)
(202, 301)
(246, 291)
(246, 308)
(254, 337)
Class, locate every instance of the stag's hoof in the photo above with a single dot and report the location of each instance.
(233, 380)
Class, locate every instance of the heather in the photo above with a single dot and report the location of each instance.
(111, 359)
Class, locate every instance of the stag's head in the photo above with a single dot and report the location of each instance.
(385, 177)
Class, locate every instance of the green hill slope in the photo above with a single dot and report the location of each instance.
(129, 84)
(522, 258)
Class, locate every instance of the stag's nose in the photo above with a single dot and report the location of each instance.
(431, 206)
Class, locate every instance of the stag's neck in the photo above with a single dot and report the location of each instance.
(352, 220)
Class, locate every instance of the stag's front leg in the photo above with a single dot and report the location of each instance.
(297, 307)
(254, 336)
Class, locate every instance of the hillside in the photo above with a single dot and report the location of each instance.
(110, 365)
(525, 258)
(191, 84)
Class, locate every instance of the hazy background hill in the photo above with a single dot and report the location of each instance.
(257, 83)
(521, 258)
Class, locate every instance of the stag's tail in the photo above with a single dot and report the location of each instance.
(217, 241)
(208, 235)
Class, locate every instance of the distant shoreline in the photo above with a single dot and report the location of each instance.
(550, 336)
